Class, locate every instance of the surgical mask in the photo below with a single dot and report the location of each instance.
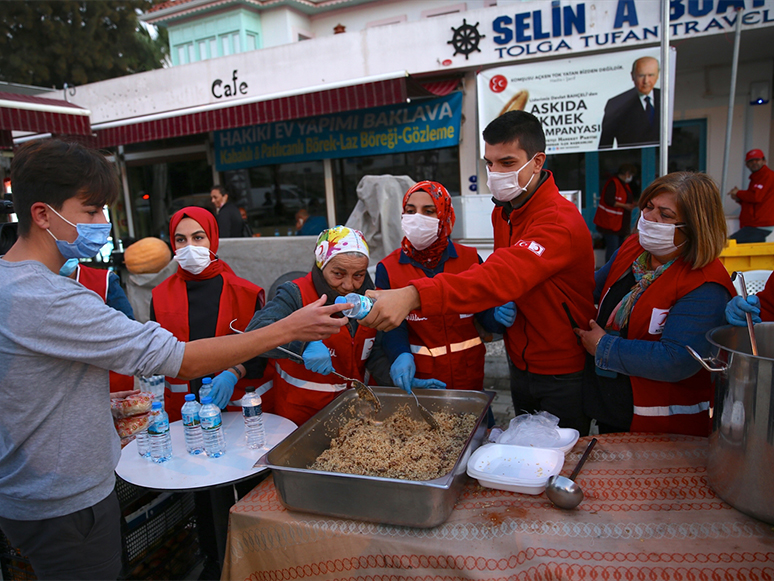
(193, 259)
(658, 238)
(69, 267)
(505, 185)
(627, 179)
(420, 230)
(91, 238)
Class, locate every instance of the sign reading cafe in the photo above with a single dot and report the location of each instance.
(398, 128)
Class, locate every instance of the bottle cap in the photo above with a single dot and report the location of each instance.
(250, 389)
(156, 405)
(206, 399)
(340, 300)
(207, 380)
(190, 397)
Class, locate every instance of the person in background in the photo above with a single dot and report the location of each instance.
(756, 217)
(543, 260)
(663, 289)
(614, 212)
(230, 223)
(435, 349)
(303, 389)
(202, 299)
(247, 232)
(309, 225)
(59, 447)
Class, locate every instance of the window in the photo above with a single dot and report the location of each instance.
(213, 46)
(185, 53)
(445, 10)
(208, 48)
(190, 50)
(202, 45)
(225, 43)
(252, 42)
(235, 42)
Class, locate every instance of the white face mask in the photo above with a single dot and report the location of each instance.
(420, 230)
(505, 185)
(193, 259)
(657, 238)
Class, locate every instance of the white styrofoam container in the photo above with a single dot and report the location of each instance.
(515, 468)
(568, 437)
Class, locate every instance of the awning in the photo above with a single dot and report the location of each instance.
(441, 88)
(320, 100)
(41, 115)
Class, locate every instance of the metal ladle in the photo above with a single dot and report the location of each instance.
(363, 391)
(426, 414)
(565, 492)
(748, 316)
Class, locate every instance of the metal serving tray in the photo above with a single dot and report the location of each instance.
(370, 498)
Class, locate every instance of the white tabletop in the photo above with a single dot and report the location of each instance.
(186, 471)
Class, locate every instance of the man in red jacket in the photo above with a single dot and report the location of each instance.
(756, 218)
(543, 261)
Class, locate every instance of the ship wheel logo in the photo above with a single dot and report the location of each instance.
(466, 38)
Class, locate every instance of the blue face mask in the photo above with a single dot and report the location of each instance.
(69, 267)
(91, 238)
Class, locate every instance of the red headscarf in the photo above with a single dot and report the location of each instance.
(210, 226)
(431, 256)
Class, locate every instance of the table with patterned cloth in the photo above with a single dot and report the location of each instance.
(648, 514)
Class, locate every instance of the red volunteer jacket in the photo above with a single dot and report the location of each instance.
(97, 280)
(611, 217)
(170, 305)
(301, 393)
(757, 201)
(543, 257)
(680, 407)
(766, 297)
(445, 347)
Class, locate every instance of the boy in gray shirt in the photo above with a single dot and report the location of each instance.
(58, 445)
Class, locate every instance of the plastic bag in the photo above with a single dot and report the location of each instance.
(136, 404)
(537, 430)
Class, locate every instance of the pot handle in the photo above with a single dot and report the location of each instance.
(708, 361)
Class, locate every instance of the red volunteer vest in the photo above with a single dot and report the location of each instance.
(96, 279)
(447, 347)
(237, 301)
(680, 407)
(611, 217)
(301, 393)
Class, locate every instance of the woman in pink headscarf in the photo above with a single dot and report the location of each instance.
(435, 351)
(303, 389)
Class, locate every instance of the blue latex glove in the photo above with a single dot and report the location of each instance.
(317, 358)
(737, 307)
(223, 388)
(428, 384)
(402, 371)
(505, 314)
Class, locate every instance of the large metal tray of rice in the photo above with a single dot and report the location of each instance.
(403, 498)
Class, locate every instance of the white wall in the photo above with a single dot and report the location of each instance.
(282, 26)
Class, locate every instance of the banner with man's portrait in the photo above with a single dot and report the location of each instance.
(607, 101)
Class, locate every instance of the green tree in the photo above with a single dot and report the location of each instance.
(50, 43)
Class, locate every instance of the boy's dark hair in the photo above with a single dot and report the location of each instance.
(222, 190)
(53, 171)
(517, 127)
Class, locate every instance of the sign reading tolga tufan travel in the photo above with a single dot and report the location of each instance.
(609, 101)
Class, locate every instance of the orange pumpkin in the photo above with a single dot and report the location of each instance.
(146, 256)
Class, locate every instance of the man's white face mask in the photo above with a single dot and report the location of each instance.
(505, 185)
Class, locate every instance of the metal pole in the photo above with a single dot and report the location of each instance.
(127, 196)
(665, 71)
(732, 95)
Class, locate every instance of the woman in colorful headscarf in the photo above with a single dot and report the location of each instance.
(303, 389)
(201, 300)
(435, 351)
(663, 289)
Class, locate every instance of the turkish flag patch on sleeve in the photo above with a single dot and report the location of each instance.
(531, 246)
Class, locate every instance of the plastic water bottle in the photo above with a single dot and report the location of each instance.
(205, 389)
(155, 385)
(212, 429)
(192, 429)
(362, 306)
(255, 435)
(160, 438)
(143, 445)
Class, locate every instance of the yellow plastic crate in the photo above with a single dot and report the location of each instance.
(758, 256)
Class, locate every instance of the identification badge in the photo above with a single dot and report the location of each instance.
(368, 344)
(657, 321)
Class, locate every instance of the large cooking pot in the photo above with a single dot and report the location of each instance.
(740, 466)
